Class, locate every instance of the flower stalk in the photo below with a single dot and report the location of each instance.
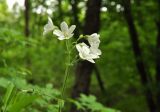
(68, 64)
(86, 52)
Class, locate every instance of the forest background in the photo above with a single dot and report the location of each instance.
(127, 75)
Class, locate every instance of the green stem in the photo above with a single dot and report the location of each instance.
(68, 62)
(65, 80)
(67, 67)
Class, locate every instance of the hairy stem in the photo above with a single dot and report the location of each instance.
(68, 63)
(67, 68)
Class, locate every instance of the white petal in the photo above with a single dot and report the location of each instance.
(49, 26)
(83, 50)
(80, 50)
(69, 36)
(93, 56)
(50, 21)
(94, 40)
(71, 29)
(91, 60)
(78, 47)
(99, 52)
(81, 56)
(61, 38)
(95, 50)
(81, 45)
(58, 33)
(86, 50)
(95, 35)
(64, 27)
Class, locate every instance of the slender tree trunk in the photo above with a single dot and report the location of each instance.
(99, 79)
(158, 58)
(75, 12)
(27, 34)
(141, 23)
(138, 55)
(84, 68)
(27, 8)
(60, 10)
(158, 66)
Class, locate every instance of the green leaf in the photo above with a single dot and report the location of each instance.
(85, 102)
(4, 82)
(21, 101)
(9, 94)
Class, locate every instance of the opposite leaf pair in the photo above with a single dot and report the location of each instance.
(85, 52)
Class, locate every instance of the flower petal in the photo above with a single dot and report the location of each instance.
(64, 27)
(69, 36)
(99, 52)
(78, 47)
(61, 38)
(91, 60)
(71, 29)
(94, 40)
(95, 35)
(50, 20)
(84, 52)
(94, 56)
(95, 50)
(58, 33)
(49, 26)
(81, 56)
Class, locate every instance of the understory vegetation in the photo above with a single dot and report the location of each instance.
(79, 56)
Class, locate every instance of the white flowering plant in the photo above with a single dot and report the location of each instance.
(23, 96)
(87, 51)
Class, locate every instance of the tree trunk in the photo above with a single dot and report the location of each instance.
(75, 12)
(60, 10)
(99, 79)
(158, 66)
(138, 55)
(27, 34)
(158, 58)
(27, 7)
(84, 68)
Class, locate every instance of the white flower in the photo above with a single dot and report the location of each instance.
(49, 26)
(95, 50)
(85, 52)
(65, 32)
(90, 52)
(94, 43)
(94, 40)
